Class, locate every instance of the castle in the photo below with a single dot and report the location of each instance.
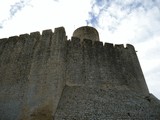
(47, 77)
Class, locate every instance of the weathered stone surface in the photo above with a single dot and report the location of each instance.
(89, 103)
(32, 75)
(45, 77)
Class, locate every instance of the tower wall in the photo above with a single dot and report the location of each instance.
(86, 32)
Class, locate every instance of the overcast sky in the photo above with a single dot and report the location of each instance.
(118, 21)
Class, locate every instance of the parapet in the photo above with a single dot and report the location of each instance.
(86, 32)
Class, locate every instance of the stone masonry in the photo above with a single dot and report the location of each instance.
(47, 77)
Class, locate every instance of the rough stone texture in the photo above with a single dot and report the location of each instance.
(32, 73)
(45, 77)
(89, 103)
(90, 63)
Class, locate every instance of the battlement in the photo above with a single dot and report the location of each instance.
(37, 34)
(74, 40)
(35, 68)
(89, 42)
(113, 64)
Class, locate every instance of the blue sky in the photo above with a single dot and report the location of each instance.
(118, 21)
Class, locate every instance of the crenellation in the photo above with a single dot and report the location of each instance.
(68, 44)
(60, 32)
(108, 45)
(47, 33)
(87, 42)
(98, 44)
(98, 50)
(24, 35)
(75, 41)
(129, 46)
(42, 48)
(58, 39)
(30, 44)
(35, 35)
(98, 57)
(46, 76)
(12, 40)
(13, 37)
(119, 46)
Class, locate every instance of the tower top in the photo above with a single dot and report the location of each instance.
(86, 32)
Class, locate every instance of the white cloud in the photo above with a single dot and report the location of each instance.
(9, 11)
(48, 14)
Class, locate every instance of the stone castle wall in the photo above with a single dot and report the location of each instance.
(94, 64)
(35, 68)
(32, 69)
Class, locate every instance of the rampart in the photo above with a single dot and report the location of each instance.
(93, 64)
(32, 75)
(34, 69)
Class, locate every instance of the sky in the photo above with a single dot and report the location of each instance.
(136, 22)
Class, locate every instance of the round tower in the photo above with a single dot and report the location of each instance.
(86, 32)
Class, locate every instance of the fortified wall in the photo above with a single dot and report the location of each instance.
(43, 76)
(91, 63)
